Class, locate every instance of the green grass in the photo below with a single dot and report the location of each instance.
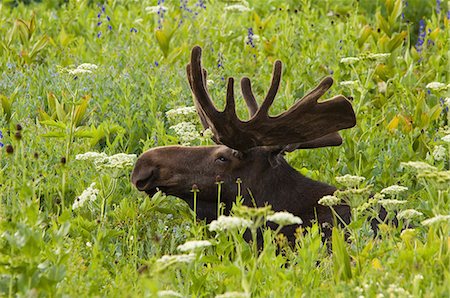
(110, 246)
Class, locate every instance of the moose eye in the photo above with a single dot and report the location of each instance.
(222, 159)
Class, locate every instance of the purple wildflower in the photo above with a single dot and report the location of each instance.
(99, 34)
(220, 60)
(1, 137)
(99, 23)
(438, 6)
(133, 30)
(422, 34)
(250, 37)
(201, 4)
(156, 63)
(109, 27)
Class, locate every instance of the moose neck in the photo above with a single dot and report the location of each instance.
(286, 189)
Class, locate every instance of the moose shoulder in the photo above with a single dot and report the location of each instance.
(249, 150)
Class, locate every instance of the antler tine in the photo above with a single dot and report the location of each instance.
(249, 98)
(312, 97)
(274, 85)
(230, 108)
(198, 84)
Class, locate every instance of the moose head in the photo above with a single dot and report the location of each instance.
(252, 151)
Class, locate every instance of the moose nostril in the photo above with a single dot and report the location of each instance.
(143, 177)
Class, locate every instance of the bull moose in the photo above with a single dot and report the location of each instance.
(252, 151)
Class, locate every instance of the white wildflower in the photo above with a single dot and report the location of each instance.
(397, 291)
(103, 161)
(436, 220)
(87, 66)
(88, 195)
(88, 244)
(329, 200)
(447, 101)
(117, 161)
(418, 165)
(350, 180)
(439, 153)
(349, 60)
(237, 8)
(418, 277)
(446, 138)
(170, 259)
(91, 156)
(229, 223)
(409, 214)
(193, 245)
(382, 87)
(184, 111)
(378, 55)
(390, 203)
(209, 82)
(348, 83)
(207, 133)
(186, 131)
(394, 189)
(78, 71)
(284, 218)
(169, 293)
(234, 295)
(435, 85)
(155, 9)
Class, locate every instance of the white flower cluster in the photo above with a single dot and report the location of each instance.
(394, 190)
(224, 223)
(447, 101)
(182, 111)
(88, 195)
(193, 245)
(102, 161)
(329, 201)
(349, 60)
(118, 161)
(378, 55)
(237, 8)
(409, 214)
(284, 218)
(439, 153)
(234, 295)
(446, 138)
(169, 293)
(186, 131)
(397, 291)
(83, 68)
(350, 180)
(436, 220)
(372, 56)
(169, 259)
(155, 9)
(437, 86)
(418, 166)
(348, 83)
(390, 203)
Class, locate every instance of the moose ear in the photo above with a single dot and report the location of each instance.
(332, 139)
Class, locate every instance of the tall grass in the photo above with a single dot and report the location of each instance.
(391, 59)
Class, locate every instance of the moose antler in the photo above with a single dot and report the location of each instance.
(307, 124)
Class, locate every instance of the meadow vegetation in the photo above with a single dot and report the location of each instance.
(85, 87)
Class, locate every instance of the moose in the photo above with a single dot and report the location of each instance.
(252, 151)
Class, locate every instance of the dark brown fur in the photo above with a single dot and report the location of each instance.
(265, 175)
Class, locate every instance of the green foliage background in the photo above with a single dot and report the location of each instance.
(48, 249)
